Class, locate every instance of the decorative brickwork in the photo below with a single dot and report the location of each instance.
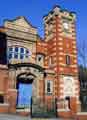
(50, 65)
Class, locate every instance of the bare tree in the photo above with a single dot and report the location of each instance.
(82, 59)
(82, 53)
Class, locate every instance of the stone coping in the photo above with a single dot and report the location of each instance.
(4, 104)
(23, 110)
(50, 71)
(12, 89)
(63, 110)
(2, 92)
(82, 113)
(3, 66)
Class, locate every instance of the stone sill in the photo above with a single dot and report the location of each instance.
(63, 110)
(4, 104)
(82, 113)
(23, 110)
(3, 66)
(12, 89)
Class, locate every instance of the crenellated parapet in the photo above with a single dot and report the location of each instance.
(58, 11)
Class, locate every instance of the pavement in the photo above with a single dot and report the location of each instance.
(17, 117)
(12, 117)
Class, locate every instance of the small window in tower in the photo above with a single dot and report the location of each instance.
(50, 61)
(66, 25)
(67, 59)
(50, 27)
(49, 87)
(39, 58)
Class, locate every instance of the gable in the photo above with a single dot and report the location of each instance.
(20, 24)
(21, 21)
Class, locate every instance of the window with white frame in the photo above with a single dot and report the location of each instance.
(50, 26)
(67, 59)
(49, 87)
(50, 61)
(40, 59)
(17, 52)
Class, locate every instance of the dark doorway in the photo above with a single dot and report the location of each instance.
(68, 99)
(1, 99)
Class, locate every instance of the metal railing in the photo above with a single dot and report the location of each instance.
(43, 109)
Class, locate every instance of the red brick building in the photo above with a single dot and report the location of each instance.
(50, 65)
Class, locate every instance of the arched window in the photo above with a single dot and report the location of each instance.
(40, 59)
(16, 49)
(17, 52)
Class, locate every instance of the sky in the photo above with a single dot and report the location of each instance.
(34, 10)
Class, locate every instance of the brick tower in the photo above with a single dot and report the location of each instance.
(49, 65)
(60, 35)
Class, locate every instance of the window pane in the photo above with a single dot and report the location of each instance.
(26, 56)
(22, 50)
(16, 56)
(50, 60)
(27, 52)
(11, 49)
(39, 58)
(48, 87)
(21, 56)
(10, 55)
(67, 59)
(16, 49)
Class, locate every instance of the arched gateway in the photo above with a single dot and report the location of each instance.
(25, 75)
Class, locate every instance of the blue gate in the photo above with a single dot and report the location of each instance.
(24, 95)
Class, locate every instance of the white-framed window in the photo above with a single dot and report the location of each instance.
(49, 87)
(50, 61)
(68, 61)
(50, 26)
(66, 25)
(69, 86)
(17, 52)
(40, 59)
